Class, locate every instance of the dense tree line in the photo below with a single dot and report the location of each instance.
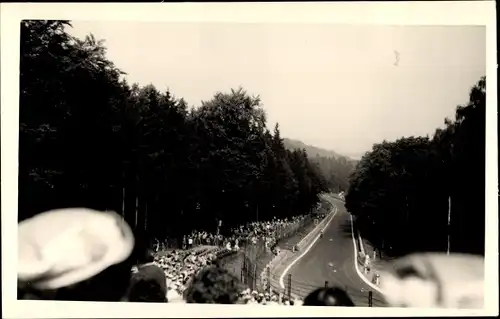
(88, 138)
(402, 192)
(336, 171)
(334, 167)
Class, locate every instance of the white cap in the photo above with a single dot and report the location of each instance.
(67, 246)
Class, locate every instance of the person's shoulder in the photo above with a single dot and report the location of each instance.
(137, 277)
(151, 269)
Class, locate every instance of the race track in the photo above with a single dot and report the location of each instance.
(332, 259)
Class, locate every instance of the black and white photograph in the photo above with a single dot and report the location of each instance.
(251, 163)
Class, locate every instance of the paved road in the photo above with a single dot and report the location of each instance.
(332, 259)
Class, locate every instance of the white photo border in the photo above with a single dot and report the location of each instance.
(367, 13)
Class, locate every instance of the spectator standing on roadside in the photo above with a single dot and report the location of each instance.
(157, 245)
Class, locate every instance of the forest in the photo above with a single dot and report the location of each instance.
(88, 138)
(409, 195)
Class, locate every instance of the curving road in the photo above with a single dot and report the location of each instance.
(332, 259)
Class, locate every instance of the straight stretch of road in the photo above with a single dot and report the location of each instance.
(332, 259)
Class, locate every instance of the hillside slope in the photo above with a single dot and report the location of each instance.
(312, 151)
(335, 168)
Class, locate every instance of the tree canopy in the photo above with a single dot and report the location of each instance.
(401, 191)
(88, 138)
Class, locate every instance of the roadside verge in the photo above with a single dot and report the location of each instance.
(358, 261)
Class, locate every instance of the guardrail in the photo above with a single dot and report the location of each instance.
(284, 256)
(255, 257)
(315, 232)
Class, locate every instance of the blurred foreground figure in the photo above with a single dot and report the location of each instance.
(435, 280)
(74, 254)
(214, 285)
(328, 297)
(148, 282)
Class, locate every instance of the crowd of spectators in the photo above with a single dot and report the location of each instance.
(182, 264)
(85, 255)
(268, 232)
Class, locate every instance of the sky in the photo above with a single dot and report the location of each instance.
(338, 87)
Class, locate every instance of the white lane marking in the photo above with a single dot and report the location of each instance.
(361, 244)
(282, 285)
(312, 231)
(356, 263)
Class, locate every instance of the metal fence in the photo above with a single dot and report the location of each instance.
(257, 255)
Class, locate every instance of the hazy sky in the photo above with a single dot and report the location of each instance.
(331, 86)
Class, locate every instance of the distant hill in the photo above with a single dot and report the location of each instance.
(335, 167)
(312, 151)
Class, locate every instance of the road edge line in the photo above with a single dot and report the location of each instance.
(361, 243)
(356, 266)
(287, 269)
(307, 237)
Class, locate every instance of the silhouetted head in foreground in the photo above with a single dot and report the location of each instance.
(213, 285)
(74, 254)
(328, 297)
(148, 282)
(146, 290)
